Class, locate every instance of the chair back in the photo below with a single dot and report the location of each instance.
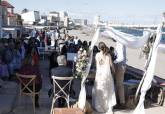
(56, 83)
(25, 82)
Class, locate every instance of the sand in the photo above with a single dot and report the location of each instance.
(133, 55)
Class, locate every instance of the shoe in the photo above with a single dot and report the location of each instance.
(50, 92)
(120, 106)
(116, 106)
(37, 105)
(61, 103)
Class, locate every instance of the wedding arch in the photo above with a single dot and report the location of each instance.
(130, 41)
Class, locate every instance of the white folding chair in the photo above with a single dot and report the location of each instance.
(61, 93)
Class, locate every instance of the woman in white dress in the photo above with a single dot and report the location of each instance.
(103, 96)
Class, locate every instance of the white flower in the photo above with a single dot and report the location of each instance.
(81, 63)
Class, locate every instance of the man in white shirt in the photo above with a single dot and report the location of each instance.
(33, 33)
(76, 40)
(120, 66)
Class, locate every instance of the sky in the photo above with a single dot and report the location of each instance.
(123, 11)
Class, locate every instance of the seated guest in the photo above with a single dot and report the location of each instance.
(53, 61)
(4, 74)
(64, 50)
(2, 46)
(72, 48)
(8, 54)
(52, 64)
(16, 63)
(61, 71)
(61, 43)
(22, 49)
(33, 51)
(28, 68)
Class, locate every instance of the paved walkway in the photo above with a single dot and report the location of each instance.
(10, 103)
(13, 104)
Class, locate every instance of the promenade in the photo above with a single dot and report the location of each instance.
(11, 103)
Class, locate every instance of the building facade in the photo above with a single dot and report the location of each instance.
(53, 18)
(31, 17)
(8, 16)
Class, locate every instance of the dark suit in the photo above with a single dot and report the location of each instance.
(61, 71)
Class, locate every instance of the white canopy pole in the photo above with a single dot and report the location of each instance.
(82, 95)
(149, 72)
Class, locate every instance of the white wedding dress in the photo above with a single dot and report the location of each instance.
(103, 96)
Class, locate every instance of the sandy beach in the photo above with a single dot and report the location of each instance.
(133, 55)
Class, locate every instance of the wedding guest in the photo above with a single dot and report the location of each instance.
(2, 46)
(16, 62)
(85, 45)
(53, 38)
(112, 53)
(8, 55)
(79, 44)
(22, 49)
(76, 41)
(61, 43)
(120, 66)
(64, 50)
(72, 48)
(33, 33)
(53, 61)
(33, 51)
(4, 74)
(29, 68)
(61, 71)
(52, 64)
(95, 51)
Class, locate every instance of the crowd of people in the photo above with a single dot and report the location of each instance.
(22, 56)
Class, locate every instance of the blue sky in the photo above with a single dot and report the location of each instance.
(126, 11)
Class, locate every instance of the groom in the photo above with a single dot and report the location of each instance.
(120, 66)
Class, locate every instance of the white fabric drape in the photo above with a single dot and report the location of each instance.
(82, 95)
(149, 72)
(127, 39)
(162, 47)
(132, 42)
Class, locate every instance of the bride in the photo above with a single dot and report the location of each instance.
(103, 96)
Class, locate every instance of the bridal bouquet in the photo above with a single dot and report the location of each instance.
(81, 63)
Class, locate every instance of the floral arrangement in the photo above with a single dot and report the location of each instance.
(146, 50)
(148, 46)
(81, 63)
